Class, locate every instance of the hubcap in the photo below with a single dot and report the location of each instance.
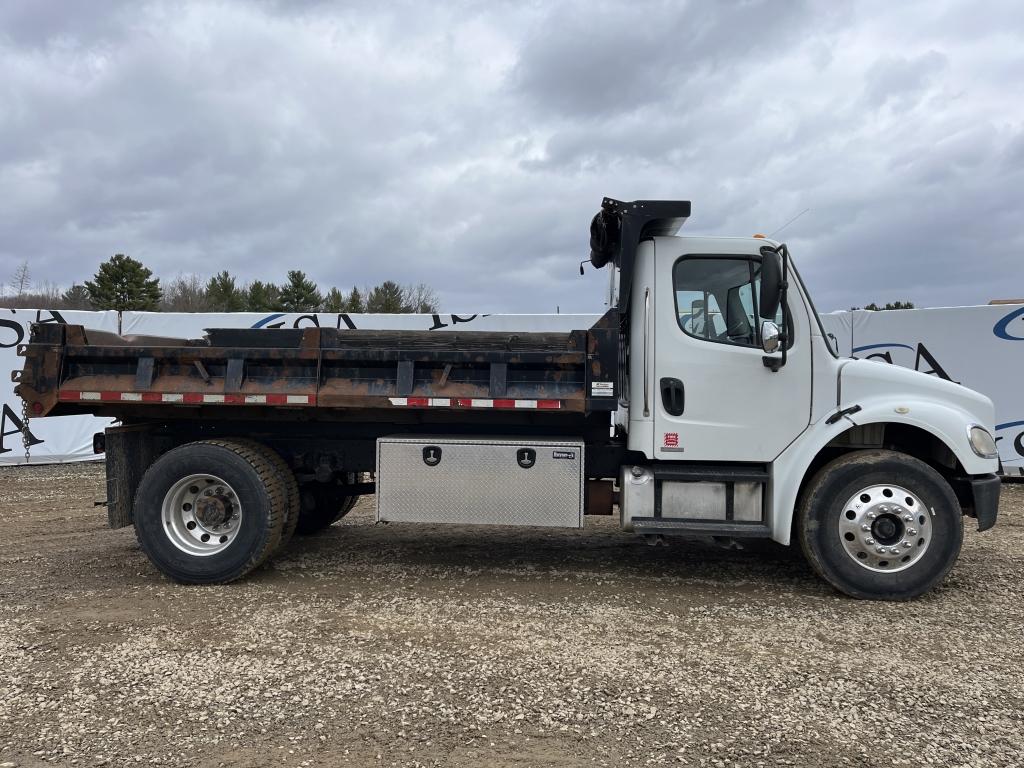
(202, 515)
(885, 528)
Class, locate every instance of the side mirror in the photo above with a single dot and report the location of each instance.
(770, 336)
(771, 283)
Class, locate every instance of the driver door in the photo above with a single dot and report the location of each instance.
(714, 399)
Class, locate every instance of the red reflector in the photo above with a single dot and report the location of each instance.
(37, 408)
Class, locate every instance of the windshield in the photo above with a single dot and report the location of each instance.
(830, 342)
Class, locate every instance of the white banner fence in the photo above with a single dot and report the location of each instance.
(980, 347)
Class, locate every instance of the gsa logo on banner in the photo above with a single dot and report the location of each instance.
(1002, 328)
(1012, 431)
(924, 361)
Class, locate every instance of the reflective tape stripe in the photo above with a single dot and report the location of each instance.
(473, 402)
(187, 398)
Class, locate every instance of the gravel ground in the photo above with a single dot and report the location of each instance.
(422, 646)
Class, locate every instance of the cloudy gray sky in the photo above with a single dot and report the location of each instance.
(468, 144)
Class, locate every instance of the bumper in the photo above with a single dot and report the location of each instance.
(979, 495)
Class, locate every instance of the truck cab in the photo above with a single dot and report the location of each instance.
(746, 415)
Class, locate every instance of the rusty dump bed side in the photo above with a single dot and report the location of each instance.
(317, 371)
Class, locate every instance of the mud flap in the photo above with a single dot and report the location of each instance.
(985, 498)
(129, 452)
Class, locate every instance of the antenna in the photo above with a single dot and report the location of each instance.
(805, 210)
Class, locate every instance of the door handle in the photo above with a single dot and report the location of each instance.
(647, 321)
(673, 396)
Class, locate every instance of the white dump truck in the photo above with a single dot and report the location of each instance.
(706, 402)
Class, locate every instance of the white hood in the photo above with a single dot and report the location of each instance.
(865, 380)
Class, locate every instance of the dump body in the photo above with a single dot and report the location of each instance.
(318, 373)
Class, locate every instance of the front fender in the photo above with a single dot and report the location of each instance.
(948, 423)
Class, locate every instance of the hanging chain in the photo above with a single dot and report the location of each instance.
(26, 436)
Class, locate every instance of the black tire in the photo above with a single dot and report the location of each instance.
(823, 501)
(323, 504)
(259, 490)
(293, 504)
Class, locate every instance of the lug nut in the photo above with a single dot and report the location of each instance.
(908, 518)
(894, 551)
(912, 531)
(865, 527)
(907, 545)
(880, 550)
(869, 541)
(872, 515)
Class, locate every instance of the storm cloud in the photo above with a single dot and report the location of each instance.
(467, 145)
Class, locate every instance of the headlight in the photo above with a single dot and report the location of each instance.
(982, 442)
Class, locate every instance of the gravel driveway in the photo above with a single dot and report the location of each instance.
(423, 646)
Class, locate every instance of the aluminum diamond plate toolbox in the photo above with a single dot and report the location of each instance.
(486, 481)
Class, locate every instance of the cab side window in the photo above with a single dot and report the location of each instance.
(716, 298)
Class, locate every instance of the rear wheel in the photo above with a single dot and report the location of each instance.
(293, 503)
(880, 525)
(210, 512)
(323, 504)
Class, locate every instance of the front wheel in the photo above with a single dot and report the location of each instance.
(880, 525)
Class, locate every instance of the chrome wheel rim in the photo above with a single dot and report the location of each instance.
(885, 528)
(201, 514)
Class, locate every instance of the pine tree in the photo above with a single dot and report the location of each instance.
(334, 301)
(355, 303)
(75, 297)
(223, 295)
(300, 294)
(122, 283)
(262, 297)
(386, 298)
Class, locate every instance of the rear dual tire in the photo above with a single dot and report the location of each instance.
(210, 512)
(323, 504)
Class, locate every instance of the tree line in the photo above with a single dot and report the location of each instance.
(888, 305)
(125, 284)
